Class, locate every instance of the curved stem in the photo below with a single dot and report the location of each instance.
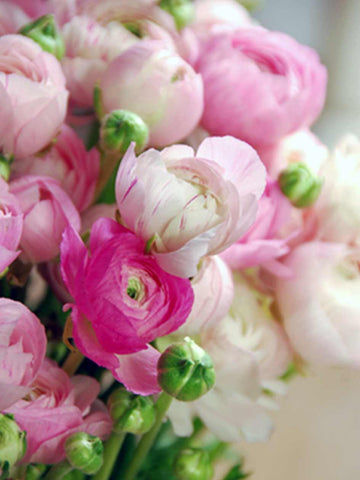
(111, 451)
(58, 471)
(162, 405)
(72, 362)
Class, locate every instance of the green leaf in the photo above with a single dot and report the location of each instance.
(237, 473)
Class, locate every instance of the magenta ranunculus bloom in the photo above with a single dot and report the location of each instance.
(190, 206)
(22, 350)
(33, 96)
(47, 211)
(122, 301)
(11, 221)
(56, 407)
(260, 85)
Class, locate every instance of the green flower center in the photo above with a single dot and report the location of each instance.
(135, 288)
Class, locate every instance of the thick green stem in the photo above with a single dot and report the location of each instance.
(111, 451)
(148, 439)
(109, 161)
(58, 471)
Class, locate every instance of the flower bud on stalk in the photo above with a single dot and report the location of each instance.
(185, 371)
(300, 185)
(119, 128)
(183, 11)
(131, 413)
(84, 452)
(193, 464)
(12, 442)
(45, 33)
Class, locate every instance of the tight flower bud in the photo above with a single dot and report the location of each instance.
(183, 11)
(12, 441)
(193, 464)
(300, 185)
(45, 33)
(185, 371)
(131, 413)
(121, 127)
(84, 452)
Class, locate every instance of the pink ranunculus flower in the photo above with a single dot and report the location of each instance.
(56, 407)
(22, 350)
(32, 94)
(68, 161)
(35, 8)
(320, 304)
(47, 211)
(11, 222)
(122, 301)
(273, 85)
(262, 245)
(190, 206)
(12, 18)
(165, 86)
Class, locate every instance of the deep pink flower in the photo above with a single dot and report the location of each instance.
(259, 85)
(122, 301)
(56, 407)
(22, 350)
(47, 211)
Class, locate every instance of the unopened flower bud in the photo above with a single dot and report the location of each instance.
(84, 452)
(300, 185)
(12, 441)
(119, 128)
(183, 11)
(131, 413)
(45, 32)
(193, 464)
(186, 371)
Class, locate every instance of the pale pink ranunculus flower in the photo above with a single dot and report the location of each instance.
(47, 211)
(273, 85)
(158, 85)
(33, 96)
(22, 350)
(12, 18)
(262, 243)
(190, 206)
(76, 169)
(56, 407)
(11, 222)
(320, 304)
(122, 300)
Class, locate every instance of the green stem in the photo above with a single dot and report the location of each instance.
(111, 451)
(58, 471)
(72, 362)
(162, 405)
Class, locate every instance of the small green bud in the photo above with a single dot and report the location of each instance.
(183, 11)
(45, 32)
(119, 128)
(193, 464)
(131, 413)
(35, 472)
(300, 185)
(186, 371)
(12, 441)
(84, 452)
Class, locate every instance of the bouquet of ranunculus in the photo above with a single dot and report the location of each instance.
(175, 244)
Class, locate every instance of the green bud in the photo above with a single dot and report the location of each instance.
(84, 452)
(131, 413)
(300, 185)
(35, 472)
(12, 441)
(193, 464)
(186, 371)
(45, 32)
(119, 128)
(183, 11)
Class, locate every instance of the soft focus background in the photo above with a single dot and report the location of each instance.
(317, 433)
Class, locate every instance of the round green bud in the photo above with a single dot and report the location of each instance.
(183, 11)
(45, 33)
(131, 413)
(299, 184)
(12, 441)
(84, 452)
(35, 472)
(186, 371)
(193, 464)
(119, 128)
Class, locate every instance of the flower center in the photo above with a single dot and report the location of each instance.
(135, 288)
